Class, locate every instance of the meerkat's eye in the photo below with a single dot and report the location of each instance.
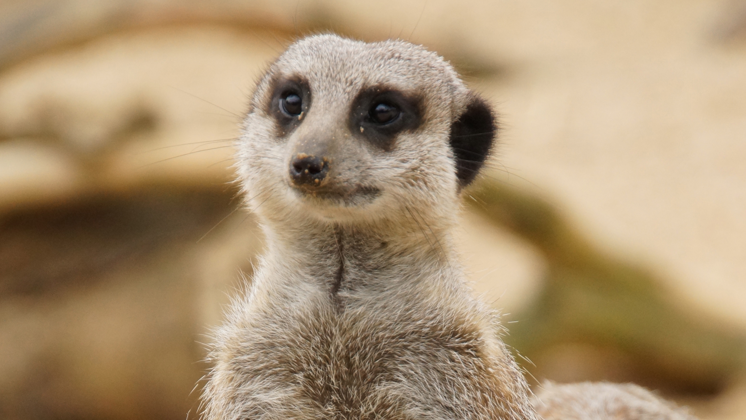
(380, 113)
(291, 104)
(383, 113)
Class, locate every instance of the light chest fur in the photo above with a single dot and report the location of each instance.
(359, 330)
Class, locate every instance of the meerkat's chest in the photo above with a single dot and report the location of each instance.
(356, 363)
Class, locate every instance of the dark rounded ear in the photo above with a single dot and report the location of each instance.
(472, 137)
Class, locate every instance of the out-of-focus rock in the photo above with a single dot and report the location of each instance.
(594, 307)
(125, 109)
(30, 172)
(102, 301)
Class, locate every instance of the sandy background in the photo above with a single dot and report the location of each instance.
(118, 236)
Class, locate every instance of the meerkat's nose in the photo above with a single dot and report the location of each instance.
(307, 170)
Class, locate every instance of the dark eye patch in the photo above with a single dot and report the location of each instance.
(291, 100)
(380, 113)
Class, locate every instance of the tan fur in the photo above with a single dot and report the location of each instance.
(593, 401)
(358, 308)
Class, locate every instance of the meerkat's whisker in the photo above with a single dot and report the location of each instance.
(233, 114)
(185, 154)
(417, 222)
(217, 224)
(419, 18)
(187, 144)
(434, 236)
(466, 136)
(220, 161)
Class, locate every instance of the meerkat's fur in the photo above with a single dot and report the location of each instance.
(594, 401)
(353, 156)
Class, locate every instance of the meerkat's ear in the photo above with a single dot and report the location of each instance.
(472, 137)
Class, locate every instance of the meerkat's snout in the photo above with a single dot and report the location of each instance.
(308, 171)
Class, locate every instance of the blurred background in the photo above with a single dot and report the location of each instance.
(609, 228)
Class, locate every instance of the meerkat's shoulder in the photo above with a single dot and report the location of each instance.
(592, 401)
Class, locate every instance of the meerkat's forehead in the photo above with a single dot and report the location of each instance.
(344, 65)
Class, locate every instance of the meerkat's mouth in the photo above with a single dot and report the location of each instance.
(349, 197)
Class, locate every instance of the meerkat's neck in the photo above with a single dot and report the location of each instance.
(364, 259)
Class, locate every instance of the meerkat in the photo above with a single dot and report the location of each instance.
(353, 156)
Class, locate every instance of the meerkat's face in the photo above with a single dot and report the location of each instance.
(345, 130)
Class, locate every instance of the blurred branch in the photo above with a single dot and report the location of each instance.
(592, 297)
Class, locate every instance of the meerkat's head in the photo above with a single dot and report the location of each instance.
(344, 130)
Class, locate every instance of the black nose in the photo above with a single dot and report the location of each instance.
(308, 170)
